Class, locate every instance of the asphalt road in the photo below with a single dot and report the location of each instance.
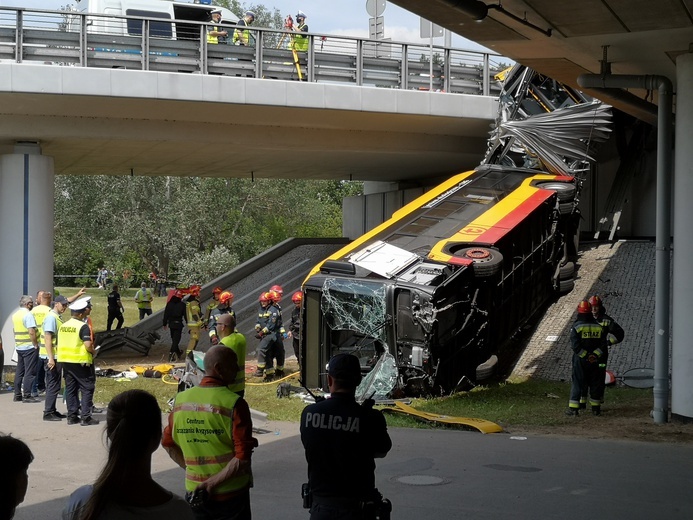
(442, 474)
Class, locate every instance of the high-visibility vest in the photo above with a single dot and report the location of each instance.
(71, 348)
(40, 312)
(236, 342)
(144, 298)
(21, 333)
(212, 40)
(203, 429)
(299, 41)
(42, 348)
(242, 36)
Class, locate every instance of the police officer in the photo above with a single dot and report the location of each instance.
(299, 41)
(48, 352)
(216, 35)
(75, 354)
(115, 309)
(342, 439)
(241, 36)
(174, 314)
(26, 342)
(587, 343)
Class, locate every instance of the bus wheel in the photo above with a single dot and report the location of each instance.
(487, 368)
(566, 208)
(564, 190)
(565, 286)
(566, 271)
(487, 261)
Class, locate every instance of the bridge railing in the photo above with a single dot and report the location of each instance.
(92, 40)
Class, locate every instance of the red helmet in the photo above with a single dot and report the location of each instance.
(275, 296)
(595, 301)
(297, 297)
(265, 297)
(584, 307)
(278, 289)
(217, 290)
(225, 297)
(195, 290)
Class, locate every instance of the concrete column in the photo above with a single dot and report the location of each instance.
(26, 231)
(682, 324)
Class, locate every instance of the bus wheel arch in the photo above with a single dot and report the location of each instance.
(565, 191)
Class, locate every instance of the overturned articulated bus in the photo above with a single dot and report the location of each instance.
(436, 290)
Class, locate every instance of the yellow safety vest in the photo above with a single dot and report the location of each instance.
(144, 298)
(42, 348)
(203, 429)
(71, 348)
(236, 342)
(299, 41)
(212, 40)
(241, 36)
(21, 333)
(40, 312)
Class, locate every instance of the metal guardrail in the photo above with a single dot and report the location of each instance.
(70, 38)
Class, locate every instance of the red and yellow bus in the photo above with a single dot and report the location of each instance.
(431, 295)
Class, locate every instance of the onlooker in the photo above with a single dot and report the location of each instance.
(586, 338)
(295, 324)
(48, 351)
(174, 315)
(125, 488)
(26, 344)
(241, 36)
(216, 35)
(216, 453)
(144, 297)
(14, 480)
(75, 354)
(115, 309)
(230, 337)
(341, 460)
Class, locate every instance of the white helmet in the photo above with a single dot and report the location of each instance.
(300, 14)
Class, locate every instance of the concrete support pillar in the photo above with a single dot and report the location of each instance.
(682, 325)
(26, 230)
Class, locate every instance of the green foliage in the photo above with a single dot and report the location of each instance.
(195, 227)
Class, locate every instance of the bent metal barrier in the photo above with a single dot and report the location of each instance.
(69, 38)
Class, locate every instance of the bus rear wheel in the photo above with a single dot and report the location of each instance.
(565, 191)
(486, 261)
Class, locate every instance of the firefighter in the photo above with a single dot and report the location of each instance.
(278, 352)
(299, 41)
(587, 343)
(267, 328)
(193, 316)
(613, 334)
(295, 324)
(213, 304)
(224, 307)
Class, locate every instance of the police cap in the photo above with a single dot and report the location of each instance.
(346, 368)
(80, 304)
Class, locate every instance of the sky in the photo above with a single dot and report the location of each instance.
(338, 17)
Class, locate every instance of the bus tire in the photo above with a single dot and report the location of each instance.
(565, 191)
(565, 286)
(486, 261)
(566, 208)
(566, 271)
(487, 368)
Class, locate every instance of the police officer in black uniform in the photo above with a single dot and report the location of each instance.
(174, 315)
(342, 439)
(115, 309)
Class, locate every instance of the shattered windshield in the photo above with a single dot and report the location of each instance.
(355, 305)
(380, 381)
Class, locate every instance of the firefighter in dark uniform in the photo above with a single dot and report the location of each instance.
(342, 439)
(613, 334)
(267, 328)
(587, 343)
(224, 307)
(75, 354)
(277, 350)
(174, 315)
(295, 324)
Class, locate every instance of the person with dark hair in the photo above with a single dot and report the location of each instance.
(342, 439)
(14, 480)
(125, 488)
(210, 435)
(115, 309)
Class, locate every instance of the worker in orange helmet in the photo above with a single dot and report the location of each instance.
(212, 305)
(295, 324)
(267, 331)
(224, 307)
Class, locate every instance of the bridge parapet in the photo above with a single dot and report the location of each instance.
(70, 38)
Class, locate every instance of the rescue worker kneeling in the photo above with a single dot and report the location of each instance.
(342, 439)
